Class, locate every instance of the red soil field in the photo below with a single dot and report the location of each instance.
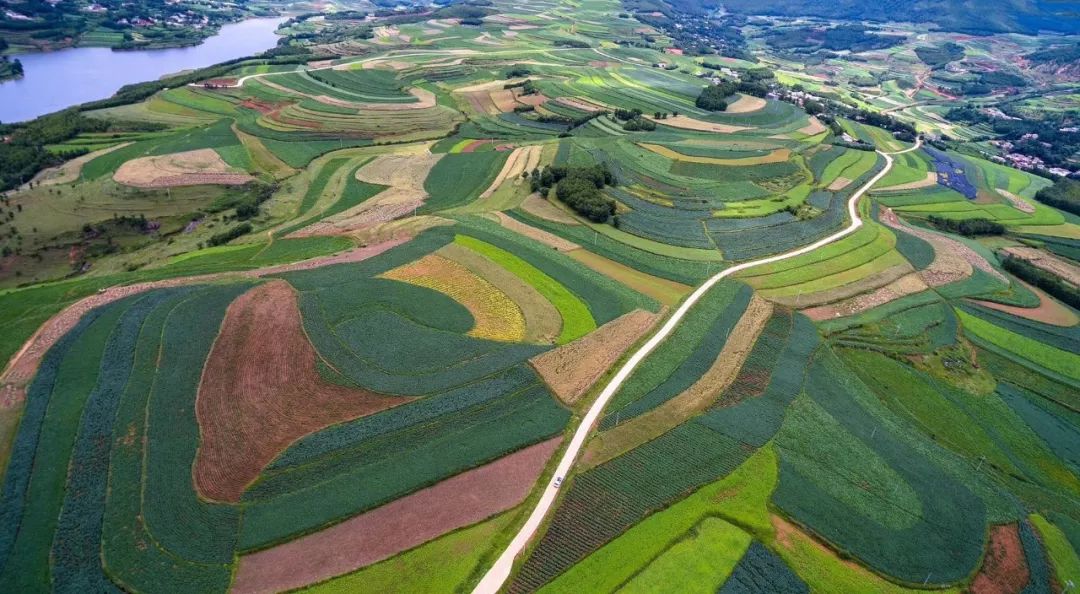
(1004, 569)
(472, 146)
(1049, 311)
(397, 526)
(24, 364)
(260, 391)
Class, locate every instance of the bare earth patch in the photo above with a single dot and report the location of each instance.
(926, 182)
(189, 168)
(535, 99)
(398, 526)
(1049, 310)
(571, 369)
(746, 104)
(424, 100)
(493, 85)
(520, 160)
(537, 206)
(834, 294)
(688, 123)
(953, 260)
(905, 285)
(504, 100)
(814, 128)
(70, 170)
(1004, 569)
(548, 239)
(258, 396)
(581, 104)
(403, 173)
(839, 184)
(779, 155)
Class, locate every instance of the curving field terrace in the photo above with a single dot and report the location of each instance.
(399, 356)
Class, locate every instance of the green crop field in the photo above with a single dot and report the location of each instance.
(504, 297)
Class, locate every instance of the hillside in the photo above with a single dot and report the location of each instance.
(978, 17)
(506, 297)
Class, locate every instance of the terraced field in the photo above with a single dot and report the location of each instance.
(350, 325)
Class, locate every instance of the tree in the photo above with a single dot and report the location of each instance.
(714, 97)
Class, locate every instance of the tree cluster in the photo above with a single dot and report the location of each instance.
(714, 97)
(1064, 194)
(579, 188)
(229, 235)
(967, 227)
(1046, 281)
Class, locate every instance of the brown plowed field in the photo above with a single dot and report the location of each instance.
(1004, 569)
(548, 239)
(1049, 311)
(535, 205)
(189, 168)
(24, 364)
(908, 284)
(398, 526)
(572, 368)
(261, 391)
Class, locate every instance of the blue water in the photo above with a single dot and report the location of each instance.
(55, 80)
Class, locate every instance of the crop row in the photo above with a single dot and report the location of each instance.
(682, 359)
(676, 269)
(118, 490)
(937, 537)
(611, 498)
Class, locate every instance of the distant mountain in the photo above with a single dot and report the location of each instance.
(963, 16)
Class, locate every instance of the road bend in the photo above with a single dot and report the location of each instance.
(495, 577)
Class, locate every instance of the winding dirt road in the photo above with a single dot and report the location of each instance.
(495, 577)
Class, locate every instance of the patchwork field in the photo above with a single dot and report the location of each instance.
(414, 303)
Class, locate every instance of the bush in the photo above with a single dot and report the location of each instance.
(227, 236)
(639, 123)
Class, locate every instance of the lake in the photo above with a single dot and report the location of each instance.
(59, 79)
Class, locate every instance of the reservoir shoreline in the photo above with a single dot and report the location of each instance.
(59, 79)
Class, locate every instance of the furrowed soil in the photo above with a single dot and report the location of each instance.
(573, 368)
(1004, 569)
(548, 239)
(258, 396)
(535, 205)
(398, 526)
(1049, 310)
(189, 168)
